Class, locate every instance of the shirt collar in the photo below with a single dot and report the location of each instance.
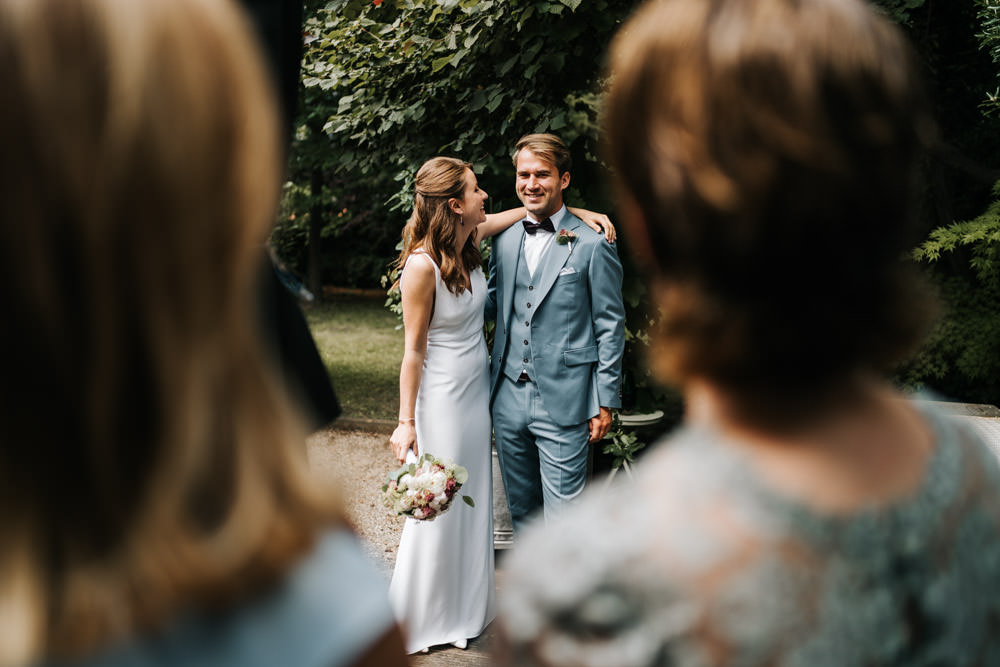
(556, 217)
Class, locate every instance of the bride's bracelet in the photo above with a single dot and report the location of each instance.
(407, 420)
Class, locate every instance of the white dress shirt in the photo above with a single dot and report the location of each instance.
(536, 244)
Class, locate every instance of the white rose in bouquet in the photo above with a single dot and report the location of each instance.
(436, 482)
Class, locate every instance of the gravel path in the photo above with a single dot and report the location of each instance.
(358, 462)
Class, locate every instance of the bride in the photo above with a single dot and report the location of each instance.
(442, 586)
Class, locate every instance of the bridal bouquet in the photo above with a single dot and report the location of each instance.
(425, 488)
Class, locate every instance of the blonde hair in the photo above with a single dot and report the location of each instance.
(548, 147)
(432, 224)
(148, 461)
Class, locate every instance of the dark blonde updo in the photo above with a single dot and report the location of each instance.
(768, 151)
(431, 226)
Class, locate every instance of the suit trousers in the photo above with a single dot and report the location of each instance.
(542, 464)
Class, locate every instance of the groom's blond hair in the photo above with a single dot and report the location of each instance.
(548, 147)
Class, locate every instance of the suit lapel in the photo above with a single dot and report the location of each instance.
(555, 258)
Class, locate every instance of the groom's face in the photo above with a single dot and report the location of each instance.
(539, 185)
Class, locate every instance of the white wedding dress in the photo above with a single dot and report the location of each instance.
(442, 588)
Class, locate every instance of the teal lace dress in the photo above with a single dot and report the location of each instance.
(698, 562)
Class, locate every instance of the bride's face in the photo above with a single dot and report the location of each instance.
(473, 201)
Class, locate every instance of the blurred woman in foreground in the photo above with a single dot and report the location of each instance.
(156, 503)
(807, 514)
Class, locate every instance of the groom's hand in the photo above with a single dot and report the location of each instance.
(600, 425)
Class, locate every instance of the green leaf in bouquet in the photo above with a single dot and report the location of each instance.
(469, 501)
(397, 473)
(461, 475)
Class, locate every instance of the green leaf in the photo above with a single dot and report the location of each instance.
(507, 64)
(525, 15)
(469, 501)
(494, 102)
(477, 102)
(438, 64)
(529, 53)
(457, 58)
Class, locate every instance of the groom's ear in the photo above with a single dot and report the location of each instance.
(564, 180)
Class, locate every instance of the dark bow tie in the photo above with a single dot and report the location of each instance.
(532, 227)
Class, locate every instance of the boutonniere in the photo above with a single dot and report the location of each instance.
(564, 236)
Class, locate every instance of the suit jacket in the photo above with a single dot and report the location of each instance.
(578, 326)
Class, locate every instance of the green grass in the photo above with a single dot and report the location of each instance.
(362, 350)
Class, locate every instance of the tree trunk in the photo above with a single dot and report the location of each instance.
(314, 276)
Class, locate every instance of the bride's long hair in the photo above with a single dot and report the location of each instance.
(431, 226)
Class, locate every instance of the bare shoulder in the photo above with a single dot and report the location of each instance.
(418, 274)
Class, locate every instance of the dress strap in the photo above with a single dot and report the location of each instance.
(437, 274)
(425, 254)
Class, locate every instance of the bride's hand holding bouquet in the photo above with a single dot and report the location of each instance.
(403, 439)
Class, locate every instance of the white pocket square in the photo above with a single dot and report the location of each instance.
(567, 271)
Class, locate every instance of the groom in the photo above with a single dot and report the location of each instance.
(555, 293)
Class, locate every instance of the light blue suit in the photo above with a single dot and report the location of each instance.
(572, 336)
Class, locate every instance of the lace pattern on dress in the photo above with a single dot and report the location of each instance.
(698, 562)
